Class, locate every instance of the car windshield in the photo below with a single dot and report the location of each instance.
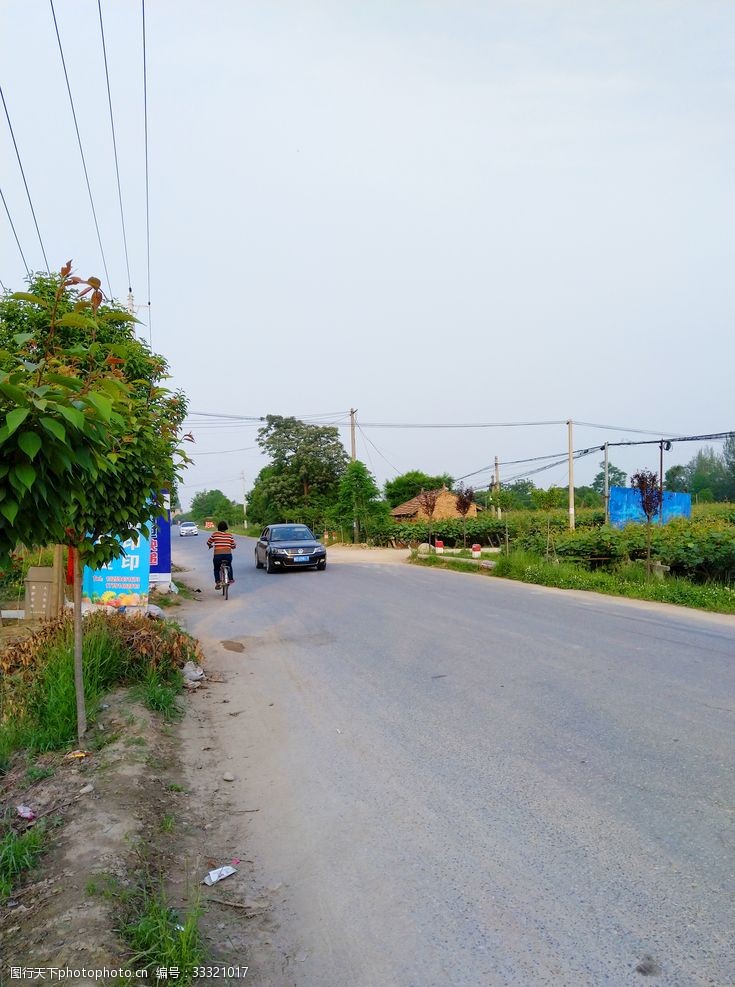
(292, 532)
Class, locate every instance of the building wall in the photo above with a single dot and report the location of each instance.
(446, 507)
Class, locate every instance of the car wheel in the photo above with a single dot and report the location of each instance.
(258, 565)
(269, 567)
(321, 566)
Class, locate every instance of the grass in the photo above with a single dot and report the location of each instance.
(37, 772)
(160, 938)
(629, 580)
(18, 853)
(174, 787)
(168, 823)
(161, 695)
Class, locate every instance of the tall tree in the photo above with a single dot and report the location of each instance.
(428, 500)
(312, 454)
(616, 478)
(358, 499)
(408, 485)
(90, 438)
(214, 504)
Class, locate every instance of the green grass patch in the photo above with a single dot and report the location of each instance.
(159, 937)
(161, 695)
(19, 852)
(629, 580)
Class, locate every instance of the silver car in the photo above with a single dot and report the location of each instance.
(188, 528)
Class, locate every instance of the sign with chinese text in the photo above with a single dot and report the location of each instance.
(124, 582)
(161, 545)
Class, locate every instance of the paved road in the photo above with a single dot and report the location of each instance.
(473, 782)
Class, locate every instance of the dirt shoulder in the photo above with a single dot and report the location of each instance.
(104, 817)
(361, 553)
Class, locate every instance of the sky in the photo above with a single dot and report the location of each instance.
(433, 212)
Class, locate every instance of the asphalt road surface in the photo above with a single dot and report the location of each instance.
(467, 781)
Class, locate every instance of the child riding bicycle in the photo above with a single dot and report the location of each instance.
(223, 544)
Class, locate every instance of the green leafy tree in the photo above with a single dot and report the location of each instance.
(408, 485)
(677, 479)
(89, 436)
(214, 504)
(358, 499)
(311, 454)
(616, 478)
(521, 494)
(708, 473)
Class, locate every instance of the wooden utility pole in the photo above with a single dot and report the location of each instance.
(571, 475)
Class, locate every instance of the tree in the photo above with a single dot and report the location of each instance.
(616, 478)
(521, 492)
(311, 453)
(214, 504)
(89, 438)
(427, 501)
(677, 479)
(358, 499)
(465, 500)
(646, 483)
(408, 485)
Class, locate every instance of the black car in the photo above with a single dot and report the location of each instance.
(289, 546)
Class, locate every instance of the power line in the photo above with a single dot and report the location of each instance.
(459, 424)
(147, 186)
(15, 234)
(22, 171)
(114, 145)
(621, 428)
(81, 149)
(368, 439)
(222, 452)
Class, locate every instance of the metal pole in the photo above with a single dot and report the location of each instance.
(607, 486)
(661, 482)
(571, 476)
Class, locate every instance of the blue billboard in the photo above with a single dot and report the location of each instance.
(625, 507)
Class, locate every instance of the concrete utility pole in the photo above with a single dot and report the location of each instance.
(353, 412)
(244, 502)
(496, 486)
(571, 475)
(607, 486)
(355, 525)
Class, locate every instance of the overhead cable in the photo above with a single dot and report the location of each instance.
(81, 149)
(368, 439)
(15, 234)
(114, 145)
(25, 183)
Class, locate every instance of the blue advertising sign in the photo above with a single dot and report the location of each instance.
(625, 506)
(161, 545)
(124, 582)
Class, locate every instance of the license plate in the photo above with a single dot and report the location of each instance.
(301, 558)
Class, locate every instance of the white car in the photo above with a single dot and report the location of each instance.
(188, 528)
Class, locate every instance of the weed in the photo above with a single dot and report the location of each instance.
(135, 742)
(91, 888)
(18, 852)
(167, 823)
(160, 938)
(160, 695)
(37, 772)
(174, 787)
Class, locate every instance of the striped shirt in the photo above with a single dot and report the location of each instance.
(223, 542)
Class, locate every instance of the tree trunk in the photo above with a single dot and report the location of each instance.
(78, 666)
(648, 548)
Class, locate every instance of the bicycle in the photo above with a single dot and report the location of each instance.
(224, 579)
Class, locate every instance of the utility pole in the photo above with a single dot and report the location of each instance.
(571, 475)
(353, 412)
(355, 525)
(244, 502)
(496, 487)
(607, 486)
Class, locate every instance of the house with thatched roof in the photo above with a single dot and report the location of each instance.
(446, 507)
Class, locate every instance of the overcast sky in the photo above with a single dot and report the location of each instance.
(433, 212)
